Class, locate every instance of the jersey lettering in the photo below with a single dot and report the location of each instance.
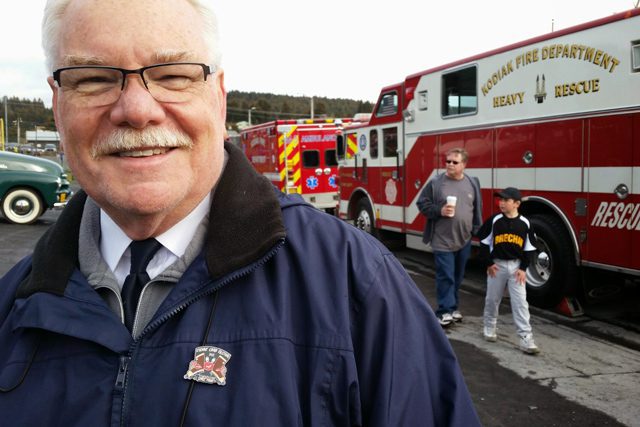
(509, 238)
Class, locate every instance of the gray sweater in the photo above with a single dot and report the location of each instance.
(432, 200)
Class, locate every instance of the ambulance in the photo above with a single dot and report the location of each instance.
(298, 156)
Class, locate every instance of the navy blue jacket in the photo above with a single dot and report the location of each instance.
(322, 324)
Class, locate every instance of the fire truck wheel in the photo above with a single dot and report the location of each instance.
(364, 216)
(552, 273)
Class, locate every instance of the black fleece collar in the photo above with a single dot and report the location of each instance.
(245, 222)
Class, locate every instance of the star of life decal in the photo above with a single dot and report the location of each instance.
(312, 182)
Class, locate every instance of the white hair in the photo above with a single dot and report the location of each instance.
(54, 11)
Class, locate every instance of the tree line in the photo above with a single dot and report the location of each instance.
(265, 107)
(32, 114)
(26, 114)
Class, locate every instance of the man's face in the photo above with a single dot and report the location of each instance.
(166, 186)
(454, 165)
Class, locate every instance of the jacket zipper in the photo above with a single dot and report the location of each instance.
(123, 367)
(121, 382)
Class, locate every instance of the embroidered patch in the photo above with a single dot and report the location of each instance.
(209, 365)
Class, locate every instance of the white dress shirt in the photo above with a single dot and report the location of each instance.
(114, 243)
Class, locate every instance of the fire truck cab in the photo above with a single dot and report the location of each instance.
(557, 116)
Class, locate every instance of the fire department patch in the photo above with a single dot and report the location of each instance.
(391, 191)
(363, 142)
(209, 365)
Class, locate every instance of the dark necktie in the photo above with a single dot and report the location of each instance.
(141, 253)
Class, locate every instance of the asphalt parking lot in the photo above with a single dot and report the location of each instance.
(582, 377)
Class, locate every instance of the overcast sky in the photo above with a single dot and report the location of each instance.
(335, 49)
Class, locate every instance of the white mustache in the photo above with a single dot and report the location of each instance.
(133, 139)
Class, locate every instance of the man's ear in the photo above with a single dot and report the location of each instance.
(221, 94)
(54, 104)
(54, 97)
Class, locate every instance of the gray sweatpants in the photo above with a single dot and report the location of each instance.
(506, 276)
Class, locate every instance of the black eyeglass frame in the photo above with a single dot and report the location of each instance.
(206, 69)
(453, 162)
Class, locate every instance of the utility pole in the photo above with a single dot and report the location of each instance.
(311, 107)
(6, 120)
(17, 122)
(2, 141)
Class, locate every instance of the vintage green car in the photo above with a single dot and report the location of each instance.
(29, 186)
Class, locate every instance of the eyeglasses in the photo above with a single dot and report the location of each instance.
(97, 86)
(452, 162)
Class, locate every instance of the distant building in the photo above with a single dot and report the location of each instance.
(242, 125)
(41, 137)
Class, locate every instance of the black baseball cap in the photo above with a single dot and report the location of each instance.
(509, 193)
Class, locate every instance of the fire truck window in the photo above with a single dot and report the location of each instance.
(373, 144)
(340, 146)
(330, 158)
(423, 100)
(310, 158)
(459, 95)
(635, 55)
(388, 105)
(390, 141)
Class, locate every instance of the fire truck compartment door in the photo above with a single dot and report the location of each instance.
(613, 235)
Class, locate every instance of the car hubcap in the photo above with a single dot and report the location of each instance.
(22, 207)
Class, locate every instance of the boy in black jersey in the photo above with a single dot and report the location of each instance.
(507, 237)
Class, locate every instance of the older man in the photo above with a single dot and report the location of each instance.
(452, 204)
(180, 288)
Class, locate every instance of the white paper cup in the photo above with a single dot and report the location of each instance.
(451, 201)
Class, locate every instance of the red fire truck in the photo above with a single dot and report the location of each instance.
(557, 116)
(298, 156)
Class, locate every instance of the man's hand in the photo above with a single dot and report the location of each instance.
(492, 270)
(448, 210)
(521, 277)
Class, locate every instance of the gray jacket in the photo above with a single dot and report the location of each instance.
(432, 200)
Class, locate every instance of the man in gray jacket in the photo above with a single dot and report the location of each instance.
(453, 206)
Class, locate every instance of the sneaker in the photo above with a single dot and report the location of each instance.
(528, 345)
(490, 334)
(457, 316)
(445, 319)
